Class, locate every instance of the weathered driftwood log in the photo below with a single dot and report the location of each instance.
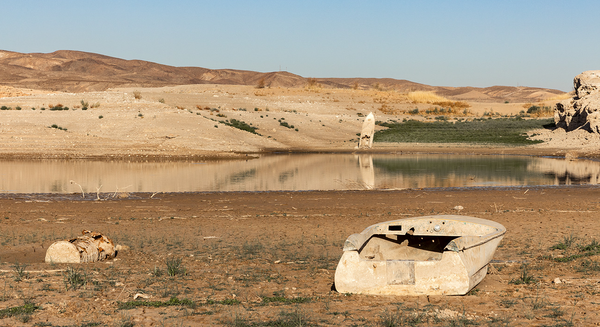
(90, 247)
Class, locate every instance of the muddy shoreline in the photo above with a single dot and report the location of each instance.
(386, 148)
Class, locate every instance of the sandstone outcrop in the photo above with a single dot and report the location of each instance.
(583, 110)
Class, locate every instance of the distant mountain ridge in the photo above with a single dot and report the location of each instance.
(77, 71)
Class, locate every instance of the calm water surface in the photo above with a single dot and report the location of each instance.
(294, 172)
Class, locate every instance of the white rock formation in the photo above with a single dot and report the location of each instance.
(367, 132)
(583, 110)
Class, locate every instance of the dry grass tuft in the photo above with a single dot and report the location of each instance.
(560, 97)
(261, 83)
(455, 105)
(539, 110)
(385, 97)
(435, 111)
(425, 97)
(263, 92)
(312, 84)
(389, 110)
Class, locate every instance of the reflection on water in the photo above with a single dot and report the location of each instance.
(293, 172)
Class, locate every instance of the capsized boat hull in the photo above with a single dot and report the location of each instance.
(433, 255)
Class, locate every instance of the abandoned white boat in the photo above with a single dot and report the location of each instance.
(433, 255)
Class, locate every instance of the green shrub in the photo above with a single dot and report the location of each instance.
(540, 111)
(25, 309)
(525, 277)
(285, 124)
(156, 304)
(489, 131)
(174, 267)
(74, 278)
(240, 125)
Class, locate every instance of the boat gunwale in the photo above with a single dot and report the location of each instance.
(363, 237)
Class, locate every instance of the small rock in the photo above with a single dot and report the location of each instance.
(557, 281)
(143, 296)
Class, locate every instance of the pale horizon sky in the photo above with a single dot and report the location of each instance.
(441, 43)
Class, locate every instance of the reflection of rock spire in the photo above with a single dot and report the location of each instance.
(569, 172)
(367, 172)
(367, 132)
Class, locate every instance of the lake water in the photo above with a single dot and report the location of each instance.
(294, 172)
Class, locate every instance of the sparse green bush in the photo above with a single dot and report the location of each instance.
(58, 127)
(174, 301)
(525, 277)
(283, 300)
(492, 131)
(285, 124)
(74, 278)
(240, 125)
(593, 248)
(175, 267)
(567, 242)
(20, 272)
(26, 309)
(58, 107)
(539, 111)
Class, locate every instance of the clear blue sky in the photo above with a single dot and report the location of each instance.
(443, 43)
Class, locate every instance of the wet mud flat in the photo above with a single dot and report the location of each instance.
(262, 258)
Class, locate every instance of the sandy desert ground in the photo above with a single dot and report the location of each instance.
(184, 122)
(268, 259)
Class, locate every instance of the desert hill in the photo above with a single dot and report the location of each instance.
(76, 71)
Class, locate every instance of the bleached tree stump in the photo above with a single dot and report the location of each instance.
(367, 132)
(90, 247)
